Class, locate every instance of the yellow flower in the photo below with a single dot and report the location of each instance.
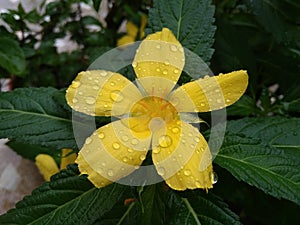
(151, 116)
(47, 165)
(133, 31)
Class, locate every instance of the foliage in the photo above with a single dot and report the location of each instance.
(258, 163)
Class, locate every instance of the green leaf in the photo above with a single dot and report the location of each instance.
(191, 22)
(97, 4)
(245, 106)
(265, 153)
(68, 199)
(32, 116)
(11, 56)
(201, 209)
(279, 17)
(293, 106)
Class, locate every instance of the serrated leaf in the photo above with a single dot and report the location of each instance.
(245, 106)
(11, 56)
(191, 22)
(31, 115)
(68, 199)
(264, 152)
(201, 209)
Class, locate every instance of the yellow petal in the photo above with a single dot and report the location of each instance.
(110, 153)
(125, 40)
(159, 55)
(67, 157)
(143, 25)
(102, 93)
(132, 29)
(210, 93)
(182, 157)
(46, 165)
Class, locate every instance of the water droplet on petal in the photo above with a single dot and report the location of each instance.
(158, 46)
(125, 138)
(190, 134)
(187, 172)
(165, 72)
(134, 141)
(228, 100)
(176, 71)
(80, 93)
(88, 140)
(101, 135)
(156, 150)
(202, 104)
(95, 87)
(157, 69)
(90, 100)
(198, 184)
(103, 73)
(116, 96)
(90, 78)
(219, 101)
(161, 171)
(196, 139)
(74, 100)
(116, 145)
(142, 157)
(180, 48)
(165, 141)
(125, 159)
(110, 173)
(167, 63)
(112, 83)
(134, 64)
(213, 177)
(129, 150)
(175, 130)
(173, 48)
(75, 84)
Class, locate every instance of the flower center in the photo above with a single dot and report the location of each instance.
(151, 113)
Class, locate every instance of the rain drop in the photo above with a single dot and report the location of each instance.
(176, 71)
(95, 87)
(74, 100)
(219, 101)
(187, 172)
(228, 100)
(134, 64)
(165, 141)
(125, 159)
(103, 73)
(101, 135)
(161, 171)
(157, 69)
(213, 177)
(88, 140)
(142, 157)
(75, 84)
(167, 63)
(156, 150)
(125, 138)
(134, 141)
(202, 104)
(198, 184)
(158, 46)
(175, 130)
(90, 100)
(110, 173)
(116, 145)
(129, 150)
(196, 139)
(112, 83)
(165, 72)
(173, 48)
(116, 96)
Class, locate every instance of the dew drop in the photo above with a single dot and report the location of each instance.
(161, 171)
(228, 100)
(165, 72)
(88, 140)
(101, 135)
(134, 64)
(165, 141)
(142, 157)
(190, 134)
(90, 78)
(158, 46)
(129, 150)
(103, 73)
(157, 69)
(173, 48)
(213, 177)
(80, 93)
(176, 71)
(95, 87)
(295, 133)
(134, 141)
(116, 96)
(116, 145)
(110, 173)
(167, 63)
(196, 139)
(175, 130)
(180, 49)
(156, 150)
(112, 83)
(187, 172)
(90, 100)
(74, 100)
(202, 104)
(96, 81)
(219, 101)
(217, 90)
(75, 84)
(125, 159)
(198, 184)
(125, 138)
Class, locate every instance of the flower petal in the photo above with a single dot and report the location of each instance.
(102, 93)
(110, 153)
(125, 40)
(159, 55)
(210, 93)
(46, 165)
(182, 157)
(67, 157)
